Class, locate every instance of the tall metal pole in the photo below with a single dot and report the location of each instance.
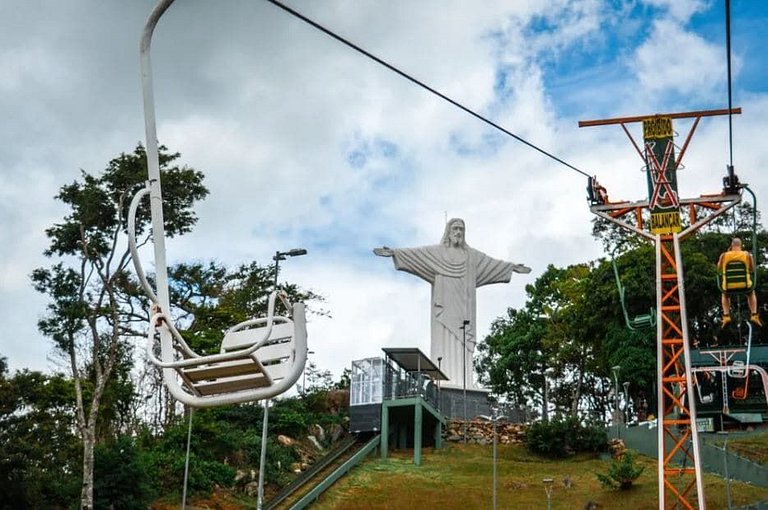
(186, 460)
(464, 356)
(493, 415)
(439, 368)
(493, 418)
(263, 458)
(279, 255)
(725, 467)
(626, 402)
(616, 398)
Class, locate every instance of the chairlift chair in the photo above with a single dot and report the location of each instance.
(637, 322)
(704, 399)
(259, 358)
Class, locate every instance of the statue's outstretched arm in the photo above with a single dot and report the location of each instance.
(520, 268)
(385, 251)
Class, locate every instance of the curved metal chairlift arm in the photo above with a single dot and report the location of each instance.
(212, 358)
(639, 322)
(153, 159)
(161, 316)
(132, 246)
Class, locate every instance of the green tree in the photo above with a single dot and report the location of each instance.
(94, 301)
(545, 353)
(38, 451)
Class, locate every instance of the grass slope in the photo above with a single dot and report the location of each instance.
(753, 447)
(460, 477)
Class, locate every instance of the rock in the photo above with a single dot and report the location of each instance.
(285, 440)
(317, 431)
(251, 489)
(315, 442)
(617, 448)
(336, 433)
(240, 475)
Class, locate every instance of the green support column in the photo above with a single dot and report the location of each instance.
(384, 431)
(417, 419)
(438, 434)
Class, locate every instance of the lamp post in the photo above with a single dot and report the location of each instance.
(725, 466)
(548, 374)
(493, 419)
(279, 255)
(464, 378)
(282, 255)
(626, 401)
(616, 369)
(439, 368)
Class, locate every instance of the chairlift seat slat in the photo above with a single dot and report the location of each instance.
(225, 369)
(244, 338)
(232, 384)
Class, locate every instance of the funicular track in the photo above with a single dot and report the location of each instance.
(322, 474)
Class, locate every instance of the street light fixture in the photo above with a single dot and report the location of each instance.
(493, 419)
(282, 255)
(279, 255)
(464, 357)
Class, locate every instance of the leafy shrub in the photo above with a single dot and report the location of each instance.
(121, 482)
(622, 472)
(563, 437)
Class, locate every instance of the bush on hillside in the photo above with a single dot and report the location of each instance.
(563, 437)
(622, 472)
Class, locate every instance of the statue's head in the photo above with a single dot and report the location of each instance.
(454, 233)
(736, 244)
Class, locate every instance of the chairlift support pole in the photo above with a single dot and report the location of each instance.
(676, 412)
(155, 191)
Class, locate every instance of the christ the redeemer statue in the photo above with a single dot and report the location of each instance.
(454, 270)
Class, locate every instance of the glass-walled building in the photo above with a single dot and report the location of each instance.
(402, 373)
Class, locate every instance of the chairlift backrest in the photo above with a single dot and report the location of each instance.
(736, 277)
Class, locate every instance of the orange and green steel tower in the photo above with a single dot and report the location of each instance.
(666, 220)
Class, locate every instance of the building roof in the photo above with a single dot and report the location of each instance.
(411, 359)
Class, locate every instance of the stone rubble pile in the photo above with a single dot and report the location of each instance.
(481, 432)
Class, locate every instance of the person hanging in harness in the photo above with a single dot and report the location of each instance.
(735, 267)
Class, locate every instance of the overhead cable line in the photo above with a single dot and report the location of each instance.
(420, 83)
(730, 86)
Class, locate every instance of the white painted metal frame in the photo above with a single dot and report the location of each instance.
(687, 362)
(273, 350)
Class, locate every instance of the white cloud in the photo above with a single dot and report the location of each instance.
(676, 60)
(680, 10)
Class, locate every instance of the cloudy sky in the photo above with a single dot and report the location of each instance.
(305, 143)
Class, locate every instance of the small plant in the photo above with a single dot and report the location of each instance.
(622, 472)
